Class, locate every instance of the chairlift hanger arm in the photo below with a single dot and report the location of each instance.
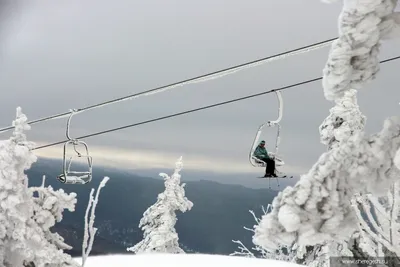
(254, 161)
(72, 113)
(280, 108)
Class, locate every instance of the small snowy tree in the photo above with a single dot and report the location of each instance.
(90, 230)
(318, 209)
(158, 222)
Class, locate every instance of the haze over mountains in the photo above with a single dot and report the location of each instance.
(220, 211)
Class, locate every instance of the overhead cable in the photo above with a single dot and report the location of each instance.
(198, 79)
(197, 109)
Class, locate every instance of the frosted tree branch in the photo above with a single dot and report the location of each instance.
(282, 253)
(244, 251)
(87, 231)
(48, 209)
(378, 207)
(376, 226)
(394, 218)
(90, 230)
(387, 232)
(397, 159)
(379, 238)
(43, 180)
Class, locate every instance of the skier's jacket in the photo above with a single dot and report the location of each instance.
(260, 152)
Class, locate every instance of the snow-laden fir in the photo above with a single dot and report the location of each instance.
(318, 208)
(28, 213)
(158, 222)
(25, 220)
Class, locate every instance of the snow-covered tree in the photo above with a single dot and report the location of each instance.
(345, 120)
(318, 208)
(28, 213)
(24, 235)
(158, 222)
(48, 208)
(283, 253)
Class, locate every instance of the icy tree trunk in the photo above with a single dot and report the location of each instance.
(90, 230)
(344, 121)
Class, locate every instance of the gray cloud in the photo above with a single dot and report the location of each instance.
(69, 54)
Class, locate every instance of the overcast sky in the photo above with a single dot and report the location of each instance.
(57, 55)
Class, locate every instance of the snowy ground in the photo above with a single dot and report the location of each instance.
(182, 260)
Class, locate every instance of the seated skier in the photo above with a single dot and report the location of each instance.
(262, 154)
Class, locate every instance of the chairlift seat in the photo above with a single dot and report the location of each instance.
(76, 177)
(70, 179)
(259, 163)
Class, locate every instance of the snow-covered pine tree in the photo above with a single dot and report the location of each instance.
(23, 240)
(158, 222)
(344, 121)
(318, 208)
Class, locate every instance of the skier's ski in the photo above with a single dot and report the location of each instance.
(270, 177)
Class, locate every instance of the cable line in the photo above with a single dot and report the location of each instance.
(198, 109)
(198, 79)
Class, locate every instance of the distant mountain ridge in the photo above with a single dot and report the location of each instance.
(220, 211)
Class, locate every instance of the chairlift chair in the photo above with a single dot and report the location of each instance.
(278, 159)
(75, 177)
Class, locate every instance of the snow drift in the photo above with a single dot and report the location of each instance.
(181, 260)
